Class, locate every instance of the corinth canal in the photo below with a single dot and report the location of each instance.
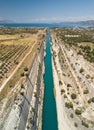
(49, 121)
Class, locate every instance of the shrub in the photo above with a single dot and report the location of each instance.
(28, 127)
(22, 86)
(62, 91)
(15, 127)
(22, 93)
(69, 85)
(22, 74)
(33, 109)
(86, 91)
(65, 96)
(79, 52)
(73, 96)
(35, 94)
(25, 69)
(78, 112)
(10, 85)
(81, 70)
(30, 120)
(85, 124)
(87, 76)
(60, 82)
(75, 124)
(69, 105)
(91, 100)
(16, 62)
(68, 93)
(0, 77)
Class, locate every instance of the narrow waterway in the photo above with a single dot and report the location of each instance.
(49, 106)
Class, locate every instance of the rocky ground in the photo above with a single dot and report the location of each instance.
(74, 85)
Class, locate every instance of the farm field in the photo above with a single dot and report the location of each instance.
(17, 52)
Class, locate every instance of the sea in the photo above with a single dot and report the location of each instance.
(48, 25)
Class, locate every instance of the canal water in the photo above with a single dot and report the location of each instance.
(49, 106)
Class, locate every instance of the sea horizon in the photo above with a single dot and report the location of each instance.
(50, 25)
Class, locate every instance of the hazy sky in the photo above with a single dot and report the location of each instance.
(46, 10)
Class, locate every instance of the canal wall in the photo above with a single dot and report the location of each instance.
(26, 111)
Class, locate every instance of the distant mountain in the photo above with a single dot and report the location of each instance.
(89, 22)
(6, 21)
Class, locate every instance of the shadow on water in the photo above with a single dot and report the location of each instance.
(49, 106)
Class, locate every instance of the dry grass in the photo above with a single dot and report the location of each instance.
(17, 77)
(13, 86)
(4, 37)
(27, 62)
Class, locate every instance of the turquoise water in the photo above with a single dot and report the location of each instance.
(49, 106)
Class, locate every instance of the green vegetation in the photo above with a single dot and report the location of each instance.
(25, 69)
(33, 109)
(35, 94)
(16, 62)
(73, 37)
(86, 91)
(22, 93)
(69, 105)
(22, 74)
(65, 96)
(76, 36)
(78, 112)
(85, 124)
(10, 86)
(87, 76)
(81, 70)
(60, 82)
(88, 53)
(30, 120)
(80, 52)
(62, 91)
(75, 124)
(69, 85)
(22, 86)
(73, 96)
(28, 127)
(91, 100)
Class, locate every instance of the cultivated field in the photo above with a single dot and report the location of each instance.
(18, 48)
